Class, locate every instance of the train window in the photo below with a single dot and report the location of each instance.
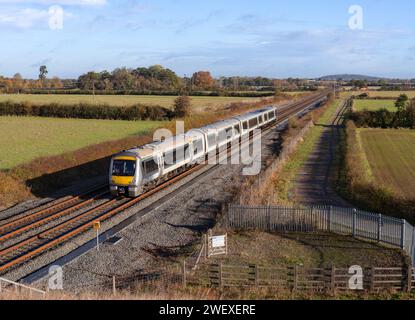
(237, 129)
(150, 166)
(245, 125)
(260, 119)
(212, 139)
(122, 168)
(271, 115)
(169, 158)
(197, 146)
(223, 135)
(266, 116)
(253, 122)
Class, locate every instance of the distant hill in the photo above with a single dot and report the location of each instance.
(349, 77)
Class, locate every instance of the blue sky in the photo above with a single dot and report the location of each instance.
(228, 37)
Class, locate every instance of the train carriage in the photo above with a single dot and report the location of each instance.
(134, 171)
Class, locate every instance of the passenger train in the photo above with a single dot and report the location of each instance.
(135, 171)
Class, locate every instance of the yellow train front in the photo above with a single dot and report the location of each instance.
(125, 175)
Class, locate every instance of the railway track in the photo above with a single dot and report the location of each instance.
(24, 250)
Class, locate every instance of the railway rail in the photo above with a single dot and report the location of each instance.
(24, 250)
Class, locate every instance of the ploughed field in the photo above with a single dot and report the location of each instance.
(373, 105)
(119, 100)
(25, 138)
(391, 156)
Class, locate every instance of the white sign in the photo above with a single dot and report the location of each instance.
(218, 241)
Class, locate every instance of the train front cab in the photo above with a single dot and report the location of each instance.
(124, 174)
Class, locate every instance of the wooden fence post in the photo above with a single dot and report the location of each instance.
(372, 279)
(333, 280)
(220, 275)
(408, 285)
(184, 273)
(295, 285)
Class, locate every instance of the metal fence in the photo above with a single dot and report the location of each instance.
(348, 221)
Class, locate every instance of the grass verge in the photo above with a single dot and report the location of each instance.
(285, 179)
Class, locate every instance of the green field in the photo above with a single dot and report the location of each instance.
(383, 94)
(391, 156)
(24, 138)
(119, 100)
(373, 105)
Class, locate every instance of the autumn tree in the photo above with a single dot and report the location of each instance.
(203, 80)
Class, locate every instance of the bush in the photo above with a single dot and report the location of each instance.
(385, 119)
(182, 106)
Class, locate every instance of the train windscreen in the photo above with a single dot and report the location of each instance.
(123, 168)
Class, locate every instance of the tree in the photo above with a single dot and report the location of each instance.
(203, 80)
(182, 106)
(43, 71)
(18, 82)
(401, 102)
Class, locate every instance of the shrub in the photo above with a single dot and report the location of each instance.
(85, 111)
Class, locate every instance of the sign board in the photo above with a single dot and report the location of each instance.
(217, 245)
(218, 241)
(97, 225)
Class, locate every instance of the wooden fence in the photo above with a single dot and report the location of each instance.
(300, 278)
(383, 229)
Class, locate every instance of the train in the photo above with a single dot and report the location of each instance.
(137, 170)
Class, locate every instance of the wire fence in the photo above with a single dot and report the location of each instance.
(357, 223)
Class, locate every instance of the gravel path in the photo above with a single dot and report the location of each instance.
(312, 185)
(175, 224)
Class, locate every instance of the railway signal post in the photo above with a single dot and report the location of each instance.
(97, 226)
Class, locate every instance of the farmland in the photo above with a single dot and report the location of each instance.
(373, 105)
(391, 155)
(383, 94)
(119, 100)
(24, 138)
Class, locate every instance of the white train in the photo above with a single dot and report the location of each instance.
(134, 171)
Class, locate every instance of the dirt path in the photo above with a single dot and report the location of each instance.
(312, 184)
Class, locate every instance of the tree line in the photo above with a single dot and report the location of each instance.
(152, 80)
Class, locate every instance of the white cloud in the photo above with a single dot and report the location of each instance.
(58, 2)
(23, 18)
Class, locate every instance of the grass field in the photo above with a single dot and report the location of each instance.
(308, 250)
(120, 100)
(24, 138)
(391, 156)
(373, 105)
(383, 94)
